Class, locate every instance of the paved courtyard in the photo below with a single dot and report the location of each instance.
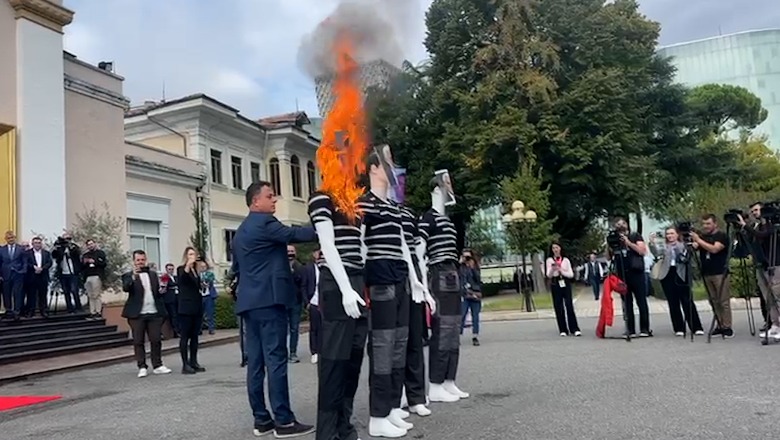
(526, 383)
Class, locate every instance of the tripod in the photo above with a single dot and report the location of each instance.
(54, 296)
(770, 263)
(617, 253)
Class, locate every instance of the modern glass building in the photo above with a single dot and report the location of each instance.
(748, 59)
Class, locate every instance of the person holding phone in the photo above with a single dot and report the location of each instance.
(190, 308)
(560, 275)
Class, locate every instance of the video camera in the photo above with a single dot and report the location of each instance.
(733, 215)
(613, 240)
(770, 212)
(685, 229)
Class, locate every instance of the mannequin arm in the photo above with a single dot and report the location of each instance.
(327, 237)
(422, 261)
(408, 259)
(363, 247)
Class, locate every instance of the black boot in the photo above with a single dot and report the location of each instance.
(194, 363)
(185, 363)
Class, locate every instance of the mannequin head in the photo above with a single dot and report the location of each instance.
(442, 194)
(380, 173)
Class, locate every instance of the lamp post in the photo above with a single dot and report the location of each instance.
(523, 219)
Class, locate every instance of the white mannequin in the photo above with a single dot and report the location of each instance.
(447, 391)
(349, 298)
(394, 425)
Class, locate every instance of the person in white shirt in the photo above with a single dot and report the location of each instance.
(560, 275)
(145, 312)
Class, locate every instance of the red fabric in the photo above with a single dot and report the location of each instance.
(607, 312)
(165, 278)
(12, 402)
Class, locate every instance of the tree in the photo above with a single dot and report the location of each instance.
(199, 239)
(721, 107)
(528, 187)
(480, 240)
(109, 232)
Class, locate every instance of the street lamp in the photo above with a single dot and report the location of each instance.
(523, 220)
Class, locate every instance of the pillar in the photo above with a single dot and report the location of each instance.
(40, 115)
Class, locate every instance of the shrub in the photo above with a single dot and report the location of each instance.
(109, 232)
(225, 315)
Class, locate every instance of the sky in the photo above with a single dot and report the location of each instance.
(244, 52)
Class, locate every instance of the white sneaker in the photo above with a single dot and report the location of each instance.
(420, 410)
(382, 427)
(678, 334)
(437, 393)
(578, 333)
(162, 369)
(450, 387)
(398, 412)
(143, 372)
(564, 334)
(396, 420)
(699, 333)
(314, 359)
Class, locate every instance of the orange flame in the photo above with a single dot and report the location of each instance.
(341, 155)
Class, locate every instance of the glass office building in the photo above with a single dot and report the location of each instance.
(748, 59)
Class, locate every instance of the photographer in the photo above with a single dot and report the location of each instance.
(713, 247)
(763, 233)
(67, 257)
(628, 252)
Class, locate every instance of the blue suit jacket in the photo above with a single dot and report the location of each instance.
(260, 258)
(13, 268)
(308, 281)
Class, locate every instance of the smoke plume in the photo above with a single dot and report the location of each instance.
(380, 29)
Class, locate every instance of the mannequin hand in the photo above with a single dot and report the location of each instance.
(418, 292)
(431, 302)
(350, 300)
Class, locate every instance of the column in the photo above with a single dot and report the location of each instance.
(40, 112)
(285, 174)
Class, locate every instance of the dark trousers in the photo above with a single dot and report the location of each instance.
(37, 294)
(242, 339)
(444, 345)
(70, 288)
(636, 283)
(266, 349)
(13, 294)
(189, 327)
(143, 327)
(389, 324)
(171, 309)
(414, 374)
(315, 329)
(294, 319)
(209, 312)
(595, 284)
(678, 295)
(564, 308)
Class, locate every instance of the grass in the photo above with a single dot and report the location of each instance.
(515, 301)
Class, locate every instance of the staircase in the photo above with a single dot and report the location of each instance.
(58, 335)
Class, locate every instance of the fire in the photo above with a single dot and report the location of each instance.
(341, 155)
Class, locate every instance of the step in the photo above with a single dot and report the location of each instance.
(61, 351)
(42, 326)
(60, 342)
(58, 317)
(55, 334)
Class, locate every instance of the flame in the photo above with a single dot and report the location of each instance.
(341, 155)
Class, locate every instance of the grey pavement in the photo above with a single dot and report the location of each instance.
(526, 383)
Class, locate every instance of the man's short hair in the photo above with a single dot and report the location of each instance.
(89, 240)
(712, 217)
(36, 238)
(254, 190)
(760, 204)
(138, 252)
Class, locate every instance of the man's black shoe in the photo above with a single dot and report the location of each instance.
(717, 331)
(293, 430)
(198, 368)
(728, 333)
(187, 370)
(264, 429)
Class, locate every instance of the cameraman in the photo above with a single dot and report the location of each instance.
(629, 260)
(713, 247)
(762, 233)
(67, 257)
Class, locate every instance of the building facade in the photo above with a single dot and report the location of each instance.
(377, 73)
(233, 151)
(747, 59)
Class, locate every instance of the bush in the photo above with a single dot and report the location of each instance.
(225, 315)
(109, 232)
(493, 289)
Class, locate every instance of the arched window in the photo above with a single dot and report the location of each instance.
(311, 177)
(276, 178)
(295, 172)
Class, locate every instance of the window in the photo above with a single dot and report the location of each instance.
(276, 178)
(145, 235)
(235, 171)
(254, 171)
(230, 234)
(216, 166)
(311, 177)
(295, 172)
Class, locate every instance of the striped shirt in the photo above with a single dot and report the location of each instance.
(321, 208)
(411, 234)
(383, 231)
(439, 233)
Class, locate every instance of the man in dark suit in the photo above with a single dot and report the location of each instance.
(39, 264)
(145, 313)
(310, 275)
(266, 291)
(170, 289)
(294, 312)
(13, 267)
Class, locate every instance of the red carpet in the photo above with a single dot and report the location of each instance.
(12, 402)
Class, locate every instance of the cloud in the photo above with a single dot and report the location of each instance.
(231, 82)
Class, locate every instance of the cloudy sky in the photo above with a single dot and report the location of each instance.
(244, 52)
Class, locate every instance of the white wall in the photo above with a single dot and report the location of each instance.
(154, 209)
(41, 119)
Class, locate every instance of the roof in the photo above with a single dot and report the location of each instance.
(293, 119)
(150, 106)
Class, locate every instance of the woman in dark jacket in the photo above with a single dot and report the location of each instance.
(471, 287)
(190, 312)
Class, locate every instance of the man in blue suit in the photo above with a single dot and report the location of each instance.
(13, 264)
(266, 291)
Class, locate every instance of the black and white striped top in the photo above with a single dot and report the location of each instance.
(321, 208)
(383, 231)
(441, 238)
(411, 234)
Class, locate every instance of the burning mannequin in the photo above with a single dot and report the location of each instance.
(438, 257)
(390, 276)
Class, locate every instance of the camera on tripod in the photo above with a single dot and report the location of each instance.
(733, 215)
(770, 212)
(685, 229)
(613, 240)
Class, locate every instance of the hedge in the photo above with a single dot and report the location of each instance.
(225, 313)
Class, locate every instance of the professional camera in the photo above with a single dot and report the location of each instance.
(685, 229)
(613, 240)
(770, 211)
(733, 216)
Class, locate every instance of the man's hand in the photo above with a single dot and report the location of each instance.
(418, 292)
(431, 302)
(38, 269)
(695, 237)
(350, 301)
(741, 220)
(695, 245)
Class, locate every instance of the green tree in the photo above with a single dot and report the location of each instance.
(199, 239)
(480, 240)
(723, 107)
(527, 186)
(109, 232)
